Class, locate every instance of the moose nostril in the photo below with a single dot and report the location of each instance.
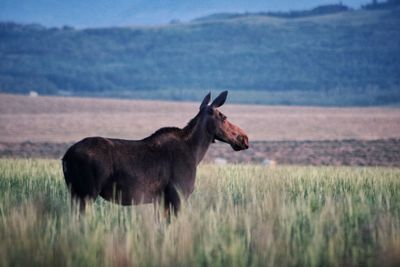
(243, 140)
(246, 141)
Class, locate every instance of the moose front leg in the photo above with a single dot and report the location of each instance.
(171, 200)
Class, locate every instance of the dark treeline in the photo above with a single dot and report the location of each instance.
(382, 5)
(320, 10)
(317, 11)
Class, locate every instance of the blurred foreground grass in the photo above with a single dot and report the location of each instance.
(238, 216)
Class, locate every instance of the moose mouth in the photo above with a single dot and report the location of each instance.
(240, 144)
(238, 147)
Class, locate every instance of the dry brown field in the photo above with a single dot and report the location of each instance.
(44, 127)
(68, 119)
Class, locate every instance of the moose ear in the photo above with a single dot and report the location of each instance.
(220, 100)
(206, 100)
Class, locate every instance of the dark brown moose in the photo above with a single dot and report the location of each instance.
(159, 168)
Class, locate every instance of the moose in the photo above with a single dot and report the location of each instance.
(160, 168)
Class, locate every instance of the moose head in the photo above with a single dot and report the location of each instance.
(218, 125)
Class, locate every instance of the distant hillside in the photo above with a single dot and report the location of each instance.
(348, 58)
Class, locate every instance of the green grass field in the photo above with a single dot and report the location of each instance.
(238, 216)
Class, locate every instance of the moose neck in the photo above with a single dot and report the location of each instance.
(198, 139)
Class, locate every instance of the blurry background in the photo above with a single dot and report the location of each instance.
(330, 69)
(270, 52)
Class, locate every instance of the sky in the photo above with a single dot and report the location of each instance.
(106, 13)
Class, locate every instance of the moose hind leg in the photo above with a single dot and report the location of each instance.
(81, 196)
(82, 184)
(171, 200)
(78, 201)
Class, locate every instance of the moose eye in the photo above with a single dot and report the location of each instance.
(223, 117)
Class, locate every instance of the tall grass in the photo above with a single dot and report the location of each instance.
(237, 216)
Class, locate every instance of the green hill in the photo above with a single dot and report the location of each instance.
(348, 58)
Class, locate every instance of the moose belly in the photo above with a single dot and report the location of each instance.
(133, 193)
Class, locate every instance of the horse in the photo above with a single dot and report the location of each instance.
(160, 168)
